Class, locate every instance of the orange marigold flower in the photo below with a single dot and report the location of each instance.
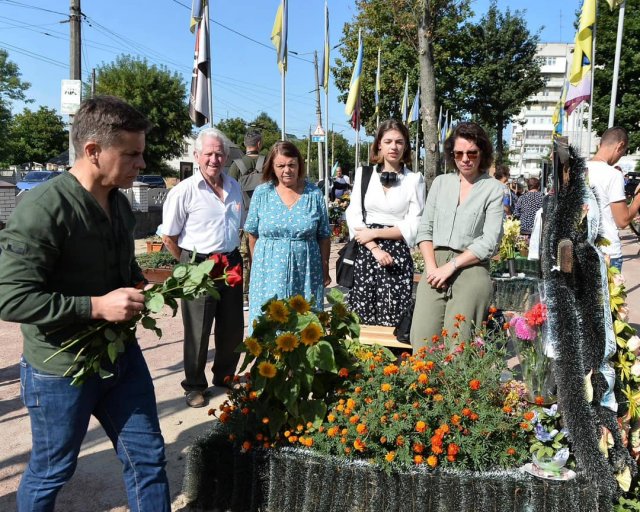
(400, 441)
(507, 409)
(466, 412)
(354, 419)
(287, 433)
(453, 449)
(429, 365)
(383, 440)
(505, 326)
(438, 397)
(224, 417)
(437, 449)
(451, 458)
(245, 411)
(460, 318)
(529, 415)
(246, 445)
(359, 445)
(445, 333)
(432, 460)
(539, 400)
(385, 387)
(265, 420)
(455, 419)
(423, 378)
(331, 418)
(368, 400)
(474, 385)
(429, 391)
(211, 412)
(343, 373)
(435, 338)
(347, 450)
(332, 431)
(351, 403)
(390, 456)
(524, 425)
(361, 428)
(391, 369)
(395, 417)
(474, 416)
(418, 459)
(418, 447)
(421, 427)
(493, 310)
(344, 431)
(358, 390)
(383, 419)
(343, 440)
(511, 451)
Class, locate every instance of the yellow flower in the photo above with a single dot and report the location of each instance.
(299, 304)
(267, 369)
(287, 342)
(253, 346)
(339, 310)
(278, 311)
(311, 334)
(385, 387)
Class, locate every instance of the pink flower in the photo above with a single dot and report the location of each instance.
(522, 329)
(618, 279)
(478, 342)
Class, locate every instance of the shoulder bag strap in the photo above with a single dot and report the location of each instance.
(241, 165)
(367, 172)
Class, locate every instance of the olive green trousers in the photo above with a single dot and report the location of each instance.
(469, 294)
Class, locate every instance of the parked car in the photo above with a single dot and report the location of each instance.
(632, 181)
(35, 178)
(153, 180)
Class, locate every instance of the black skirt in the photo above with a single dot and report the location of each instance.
(381, 294)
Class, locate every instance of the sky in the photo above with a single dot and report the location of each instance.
(246, 80)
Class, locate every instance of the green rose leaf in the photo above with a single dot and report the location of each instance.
(180, 271)
(155, 302)
(148, 322)
(112, 350)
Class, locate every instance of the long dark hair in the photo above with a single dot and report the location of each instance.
(390, 124)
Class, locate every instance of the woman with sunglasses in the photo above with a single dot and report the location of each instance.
(393, 203)
(458, 233)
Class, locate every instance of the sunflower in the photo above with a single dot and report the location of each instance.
(253, 346)
(311, 334)
(267, 369)
(287, 342)
(299, 304)
(278, 311)
(339, 310)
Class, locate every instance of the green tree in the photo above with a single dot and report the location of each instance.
(234, 128)
(269, 129)
(159, 94)
(628, 94)
(11, 88)
(501, 69)
(418, 38)
(37, 136)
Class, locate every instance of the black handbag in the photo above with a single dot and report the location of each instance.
(347, 255)
(402, 330)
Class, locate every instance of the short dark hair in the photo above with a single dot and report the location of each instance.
(252, 139)
(385, 126)
(502, 171)
(533, 184)
(101, 118)
(284, 148)
(475, 133)
(614, 135)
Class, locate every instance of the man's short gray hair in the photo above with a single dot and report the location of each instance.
(212, 133)
(252, 139)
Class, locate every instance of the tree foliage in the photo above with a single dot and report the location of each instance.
(392, 25)
(37, 136)
(11, 88)
(159, 94)
(501, 70)
(234, 128)
(628, 96)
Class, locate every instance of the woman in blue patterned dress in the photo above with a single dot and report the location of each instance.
(288, 230)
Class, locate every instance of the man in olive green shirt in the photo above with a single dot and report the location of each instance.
(67, 260)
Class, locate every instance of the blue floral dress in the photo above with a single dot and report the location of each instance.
(286, 257)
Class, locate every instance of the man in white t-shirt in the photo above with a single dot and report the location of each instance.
(608, 184)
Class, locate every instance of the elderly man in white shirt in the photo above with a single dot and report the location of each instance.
(204, 214)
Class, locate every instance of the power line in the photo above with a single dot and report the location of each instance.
(33, 55)
(19, 4)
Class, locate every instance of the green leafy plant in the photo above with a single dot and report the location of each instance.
(299, 358)
(418, 262)
(548, 439)
(511, 241)
(98, 345)
(158, 259)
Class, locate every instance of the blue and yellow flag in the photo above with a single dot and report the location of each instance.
(327, 49)
(376, 92)
(615, 3)
(405, 101)
(354, 86)
(279, 35)
(414, 113)
(582, 52)
(196, 14)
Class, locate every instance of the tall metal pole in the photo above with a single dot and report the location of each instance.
(74, 60)
(321, 174)
(616, 66)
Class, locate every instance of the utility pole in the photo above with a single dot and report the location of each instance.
(74, 60)
(309, 150)
(321, 173)
(93, 82)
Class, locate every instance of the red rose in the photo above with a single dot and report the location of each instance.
(234, 275)
(221, 262)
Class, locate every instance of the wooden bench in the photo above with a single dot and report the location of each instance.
(381, 335)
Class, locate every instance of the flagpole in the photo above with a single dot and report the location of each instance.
(417, 149)
(593, 74)
(616, 65)
(326, 105)
(210, 85)
(357, 146)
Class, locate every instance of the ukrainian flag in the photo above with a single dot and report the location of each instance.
(582, 53)
(279, 35)
(354, 87)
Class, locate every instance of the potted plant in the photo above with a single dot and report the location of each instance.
(156, 266)
(154, 244)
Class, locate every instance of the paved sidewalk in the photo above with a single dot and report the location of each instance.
(97, 484)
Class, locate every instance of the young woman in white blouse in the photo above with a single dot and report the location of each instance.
(394, 200)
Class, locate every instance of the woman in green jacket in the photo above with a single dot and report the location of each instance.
(458, 233)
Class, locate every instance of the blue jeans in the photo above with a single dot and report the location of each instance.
(616, 262)
(124, 404)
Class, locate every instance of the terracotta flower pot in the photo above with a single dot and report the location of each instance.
(153, 246)
(157, 275)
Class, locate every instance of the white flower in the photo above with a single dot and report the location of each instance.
(618, 279)
(633, 343)
(623, 312)
(635, 369)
